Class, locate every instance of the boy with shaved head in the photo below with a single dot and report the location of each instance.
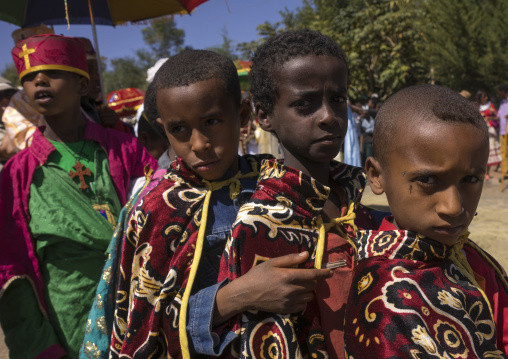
(422, 288)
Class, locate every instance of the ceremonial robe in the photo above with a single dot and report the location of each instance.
(160, 258)
(18, 259)
(413, 297)
(284, 216)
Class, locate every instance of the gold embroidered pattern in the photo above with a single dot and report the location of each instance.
(365, 282)
(106, 276)
(99, 302)
(91, 350)
(101, 324)
(104, 209)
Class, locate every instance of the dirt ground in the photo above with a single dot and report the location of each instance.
(489, 228)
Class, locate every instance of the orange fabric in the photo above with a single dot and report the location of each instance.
(21, 121)
(480, 280)
(333, 292)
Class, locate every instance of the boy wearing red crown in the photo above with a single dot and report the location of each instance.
(60, 201)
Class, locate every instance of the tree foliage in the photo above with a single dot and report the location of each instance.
(226, 48)
(466, 43)
(392, 44)
(10, 73)
(127, 72)
(163, 37)
(163, 40)
(379, 37)
(265, 30)
(383, 45)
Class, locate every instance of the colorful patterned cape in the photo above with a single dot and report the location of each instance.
(100, 320)
(413, 297)
(160, 258)
(282, 217)
(18, 257)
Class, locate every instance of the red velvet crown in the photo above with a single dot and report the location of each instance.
(50, 52)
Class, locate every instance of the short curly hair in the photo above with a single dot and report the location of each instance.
(421, 104)
(278, 50)
(191, 66)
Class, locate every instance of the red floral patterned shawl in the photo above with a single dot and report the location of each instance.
(160, 257)
(282, 217)
(413, 297)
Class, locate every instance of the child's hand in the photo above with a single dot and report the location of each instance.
(273, 286)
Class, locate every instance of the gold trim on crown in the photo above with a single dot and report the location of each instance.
(54, 67)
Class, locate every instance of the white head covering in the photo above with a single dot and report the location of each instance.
(150, 73)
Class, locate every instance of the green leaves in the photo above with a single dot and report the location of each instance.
(378, 36)
(392, 44)
(10, 73)
(226, 48)
(163, 37)
(467, 43)
(127, 73)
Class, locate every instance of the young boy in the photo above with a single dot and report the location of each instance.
(60, 201)
(421, 288)
(307, 202)
(177, 235)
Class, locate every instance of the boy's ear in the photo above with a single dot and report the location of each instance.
(262, 118)
(245, 111)
(83, 85)
(374, 175)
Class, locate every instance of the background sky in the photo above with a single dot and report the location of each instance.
(202, 29)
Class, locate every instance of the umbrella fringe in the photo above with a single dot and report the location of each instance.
(183, 6)
(67, 15)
